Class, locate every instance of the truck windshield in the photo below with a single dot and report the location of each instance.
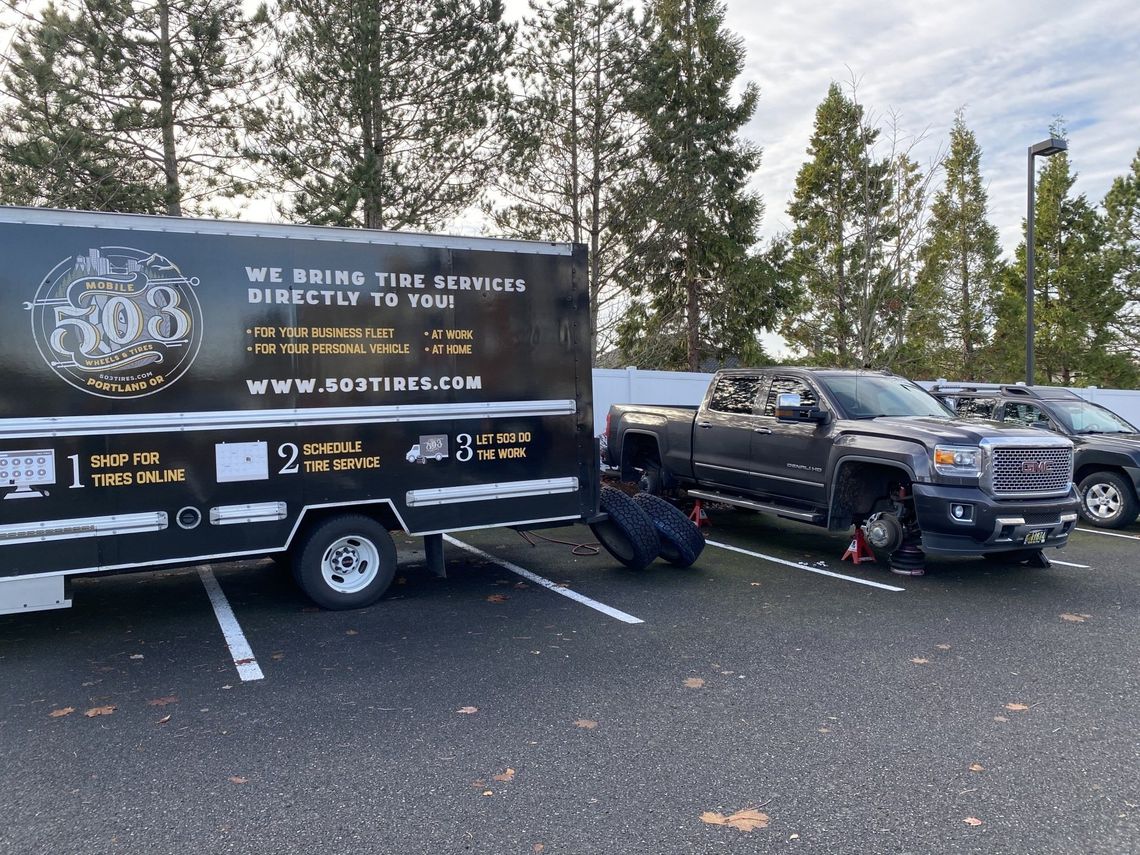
(867, 396)
(1083, 417)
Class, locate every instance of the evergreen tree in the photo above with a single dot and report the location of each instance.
(1075, 297)
(1122, 214)
(152, 97)
(572, 141)
(392, 109)
(961, 263)
(841, 215)
(691, 217)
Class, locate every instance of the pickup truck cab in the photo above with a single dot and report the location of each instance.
(839, 448)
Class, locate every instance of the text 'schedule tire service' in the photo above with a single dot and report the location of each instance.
(1107, 500)
(681, 540)
(346, 562)
(628, 534)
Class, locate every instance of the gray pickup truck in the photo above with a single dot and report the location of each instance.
(866, 448)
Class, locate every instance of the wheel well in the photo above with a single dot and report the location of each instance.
(1088, 469)
(638, 449)
(381, 512)
(860, 489)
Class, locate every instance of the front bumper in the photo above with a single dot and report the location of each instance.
(994, 526)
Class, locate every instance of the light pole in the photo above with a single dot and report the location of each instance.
(1045, 148)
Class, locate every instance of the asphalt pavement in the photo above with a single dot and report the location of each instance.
(543, 701)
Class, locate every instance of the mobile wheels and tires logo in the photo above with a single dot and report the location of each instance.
(117, 322)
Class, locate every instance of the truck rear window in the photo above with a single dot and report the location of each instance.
(735, 394)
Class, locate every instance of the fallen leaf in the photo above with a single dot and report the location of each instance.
(972, 821)
(497, 598)
(505, 777)
(164, 719)
(1075, 618)
(488, 792)
(942, 646)
(754, 584)
(1016, 707)
(538, 847)
(62, 711)
(977, 767)
(351, 632)
(161, 702)
(1000, 718)
(478, 783)
(137, 656)
(694, 683)
(277, 656)
(235, 779)
(742, 820)
(94, 711)
(918, 660)
(824, 729)
(586, 723)
(467, 710)
(521, 586)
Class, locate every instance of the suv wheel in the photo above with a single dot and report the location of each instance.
(1107, 500)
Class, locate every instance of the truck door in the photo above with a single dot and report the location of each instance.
(788, 459)
(722, 433)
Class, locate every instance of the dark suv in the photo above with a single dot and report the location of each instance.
(1106, 465)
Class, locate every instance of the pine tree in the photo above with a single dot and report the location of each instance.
(154, 98)
(691, 217)
(1122, 215)
(392, 109)
(572, 140)
(962, 261)
(1075, 298)
(842, 224)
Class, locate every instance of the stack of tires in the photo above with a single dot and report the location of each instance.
(639, 528)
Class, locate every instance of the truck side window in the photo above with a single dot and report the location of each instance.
(735, 394)
(792, 385)
(976, 408)
(1024, 414)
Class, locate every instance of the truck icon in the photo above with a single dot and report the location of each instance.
(433, 446)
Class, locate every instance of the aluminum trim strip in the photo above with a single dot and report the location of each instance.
(29, 428)
(486, 492)
(187, 225)
(258, 512)
(48, 530)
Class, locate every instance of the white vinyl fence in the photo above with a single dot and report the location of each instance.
(634, 386)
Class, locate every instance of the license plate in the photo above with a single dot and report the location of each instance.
(1035, 537)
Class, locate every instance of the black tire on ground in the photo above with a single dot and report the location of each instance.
(346, 562)
(628, 534)
(681, 540)
(650, 481)
(1107, 500)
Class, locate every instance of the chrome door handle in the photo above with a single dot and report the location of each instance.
(761, 430)
(705, 425)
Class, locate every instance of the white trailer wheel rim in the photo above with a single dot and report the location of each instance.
(350, 564)
(1103, 501)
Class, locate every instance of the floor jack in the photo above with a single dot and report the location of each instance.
(859, 552)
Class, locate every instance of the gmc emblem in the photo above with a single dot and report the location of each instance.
(1034, 467)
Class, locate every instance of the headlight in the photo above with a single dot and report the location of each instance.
(962, 461)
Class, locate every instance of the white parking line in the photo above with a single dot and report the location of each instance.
(546, 583)
(806, 567)
(1109, 533)
(242, 653)
(1067, 564)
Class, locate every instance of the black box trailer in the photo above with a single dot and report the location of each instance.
(177, 391)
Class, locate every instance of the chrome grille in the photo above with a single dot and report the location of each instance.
(1028, 471)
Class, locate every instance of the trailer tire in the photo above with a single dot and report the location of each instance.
(346, 562)
(628, 534)
(681, 540)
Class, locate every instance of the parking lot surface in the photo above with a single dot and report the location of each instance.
(542, 701)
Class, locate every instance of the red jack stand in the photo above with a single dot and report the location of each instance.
(699, 517)
(859, 552)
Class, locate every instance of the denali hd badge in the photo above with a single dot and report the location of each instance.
(117, 322)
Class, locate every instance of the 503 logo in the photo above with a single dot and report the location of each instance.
(117, 322)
